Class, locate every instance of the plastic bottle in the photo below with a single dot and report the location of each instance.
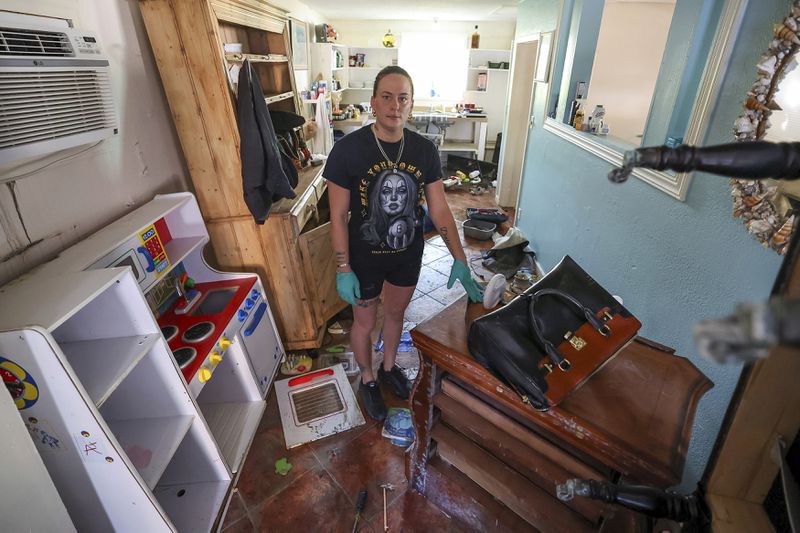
(579, 118)
(599, 113)
(476, 38)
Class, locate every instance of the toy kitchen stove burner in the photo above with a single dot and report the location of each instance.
(169, 332)
(198, 332)
(184, 356)
(201, 325)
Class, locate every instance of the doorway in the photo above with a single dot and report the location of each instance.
(518, 121)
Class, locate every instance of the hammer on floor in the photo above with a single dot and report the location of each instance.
(385, 487)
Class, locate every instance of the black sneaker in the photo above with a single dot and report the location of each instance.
(398, 381)
(373, 401)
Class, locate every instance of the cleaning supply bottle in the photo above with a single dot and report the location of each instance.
(599, 115)
(476, 38)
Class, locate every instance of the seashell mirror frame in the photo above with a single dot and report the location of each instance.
(762, 205)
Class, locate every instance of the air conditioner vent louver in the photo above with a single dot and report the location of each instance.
(22, 42)
(39, 106)
(55, 89)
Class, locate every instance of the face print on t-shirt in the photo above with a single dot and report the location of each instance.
(394, 194)
(392, 208)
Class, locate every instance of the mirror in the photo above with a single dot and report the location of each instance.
(654, 66)
(772, 113)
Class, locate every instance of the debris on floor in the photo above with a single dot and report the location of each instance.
(398, 427)
(282, 466)
(296, 363)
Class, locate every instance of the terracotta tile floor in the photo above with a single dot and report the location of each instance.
(319, 492)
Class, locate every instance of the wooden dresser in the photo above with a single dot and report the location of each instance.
(291, 251)
(630, 421)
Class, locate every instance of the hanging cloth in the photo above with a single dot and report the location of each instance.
(266, 176)
(323, 140)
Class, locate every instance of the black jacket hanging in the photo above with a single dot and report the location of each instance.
(266, 176)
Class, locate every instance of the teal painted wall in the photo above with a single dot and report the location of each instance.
(674, 263)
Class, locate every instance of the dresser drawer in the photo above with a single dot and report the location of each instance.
(304, 209)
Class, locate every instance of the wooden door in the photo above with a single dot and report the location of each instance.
(515, 135)
(320, 265)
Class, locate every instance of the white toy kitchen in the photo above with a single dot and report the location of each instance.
(140, 371)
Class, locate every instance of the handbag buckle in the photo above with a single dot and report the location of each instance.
(548, 367)
(565, 365)
(577, 342)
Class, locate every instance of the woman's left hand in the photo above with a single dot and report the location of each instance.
(460, 272)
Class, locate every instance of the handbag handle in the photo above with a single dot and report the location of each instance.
(562, 362)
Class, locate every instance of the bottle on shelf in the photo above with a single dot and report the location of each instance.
(578, 122)
(476, 38)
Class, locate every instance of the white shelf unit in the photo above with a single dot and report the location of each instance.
(330, 61)
(493, 99)
(363, 78)
(100, 380)
(356, 81)
(106, 460)
(124, 437)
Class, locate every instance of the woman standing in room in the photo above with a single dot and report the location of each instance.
(380, 175)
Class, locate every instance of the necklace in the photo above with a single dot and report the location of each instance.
(383, 153)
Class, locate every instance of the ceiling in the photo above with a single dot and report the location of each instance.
(469, 10)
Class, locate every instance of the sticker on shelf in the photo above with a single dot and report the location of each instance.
(19, 383)
(45, 439)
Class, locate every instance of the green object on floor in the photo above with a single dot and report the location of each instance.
(282, 466)
(335, 349)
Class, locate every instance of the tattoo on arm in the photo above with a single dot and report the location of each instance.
(341, 257)
(443, 233)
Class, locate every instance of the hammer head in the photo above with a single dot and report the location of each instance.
(387, 486)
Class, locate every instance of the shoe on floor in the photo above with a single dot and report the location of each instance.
(373, 401)
(398, 381)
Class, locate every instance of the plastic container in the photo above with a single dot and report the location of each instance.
(479, 229)
(482, 81)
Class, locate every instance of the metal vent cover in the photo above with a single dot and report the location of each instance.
(37, 106)
(33, 42)
(316, 403)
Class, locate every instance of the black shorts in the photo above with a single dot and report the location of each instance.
(372, 274)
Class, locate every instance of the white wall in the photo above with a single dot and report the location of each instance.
(52, 208)
(629, 51)
(59, 205)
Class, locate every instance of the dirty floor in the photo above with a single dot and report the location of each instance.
(319, 492)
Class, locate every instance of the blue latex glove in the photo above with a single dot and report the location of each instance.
(461, 273)
(348, 287)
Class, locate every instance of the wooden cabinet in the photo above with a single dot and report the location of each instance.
(300, 271)
(632, 420)
(187, 40)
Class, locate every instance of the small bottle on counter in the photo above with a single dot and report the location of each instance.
(476, 38)
(599, 113)
(579, 118)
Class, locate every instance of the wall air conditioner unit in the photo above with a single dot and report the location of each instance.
(55, 91)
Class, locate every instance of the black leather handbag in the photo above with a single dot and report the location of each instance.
(549, 340)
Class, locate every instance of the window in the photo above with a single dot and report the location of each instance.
(437, 62)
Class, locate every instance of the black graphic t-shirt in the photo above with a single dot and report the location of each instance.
(385, 202)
